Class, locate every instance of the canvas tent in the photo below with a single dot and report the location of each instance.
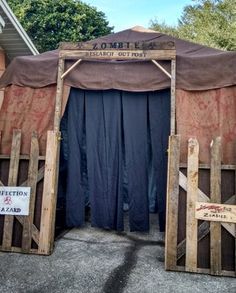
(135, 108)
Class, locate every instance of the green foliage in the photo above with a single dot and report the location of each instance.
(162, 27)
(49, 22)
(208, 22)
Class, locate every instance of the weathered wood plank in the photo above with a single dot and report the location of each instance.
(207, 166)
(172, 203)
(19, 250)
(47, 226)
(192, 195)
(148, 45)
(32, 182)
(59, 95)
(206, 271)
(173, 99)
(22, 157)
(12, 181)
(119, 54)
(215, 190)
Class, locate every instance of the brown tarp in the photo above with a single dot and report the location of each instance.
(198, 68)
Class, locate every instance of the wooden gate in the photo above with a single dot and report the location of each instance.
(201, 212)
(33, 233)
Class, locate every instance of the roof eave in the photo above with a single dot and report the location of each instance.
(18, 27)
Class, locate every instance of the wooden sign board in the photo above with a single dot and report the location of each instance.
(148, 45)
(119, 54)
(150, 50)
(215, 212)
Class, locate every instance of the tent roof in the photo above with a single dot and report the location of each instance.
(198, 67)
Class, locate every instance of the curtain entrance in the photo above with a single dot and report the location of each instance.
(113, 157)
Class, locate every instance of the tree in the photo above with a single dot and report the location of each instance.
(49, 22)
(208, 22)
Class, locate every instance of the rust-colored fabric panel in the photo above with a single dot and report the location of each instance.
(30, 110)
(205, 115)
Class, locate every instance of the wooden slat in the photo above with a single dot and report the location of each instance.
(192, 195)
(173, 99)
(207, 166)
(206, 271)
(22, 157)
(172, 203)
(47, 226)
(215, 190)
(32, 182)
(19, 250)
(12, 181)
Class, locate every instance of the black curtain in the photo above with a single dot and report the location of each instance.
(114, 152)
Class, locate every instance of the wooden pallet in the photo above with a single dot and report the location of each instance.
(208, 221)
(32, 233)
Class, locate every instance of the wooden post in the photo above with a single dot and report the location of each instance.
(12, 181)
(47, 226)
(59, 94)
(173, 100)
(192, 197)
(32, 182)
(172, 203)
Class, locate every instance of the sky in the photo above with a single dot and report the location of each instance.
(123, 14)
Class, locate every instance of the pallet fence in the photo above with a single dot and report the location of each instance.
(33, 233)
(208, 225)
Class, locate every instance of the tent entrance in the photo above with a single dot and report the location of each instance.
(113, 157)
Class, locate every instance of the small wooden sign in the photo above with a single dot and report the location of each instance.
(215, 212)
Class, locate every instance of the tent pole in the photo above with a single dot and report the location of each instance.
(59, 94)
(173, 100)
